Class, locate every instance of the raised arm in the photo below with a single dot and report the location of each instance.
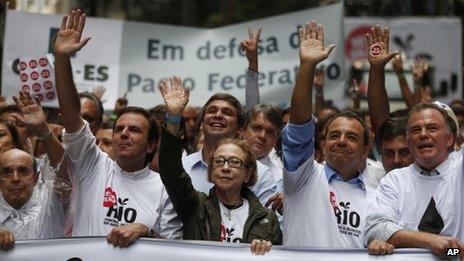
(379, 55)
(319, 86)
(312, 52)
(68, 42)
(33, 117)
(422, 92)
(250, 46)
(408, 96)
(178, 184)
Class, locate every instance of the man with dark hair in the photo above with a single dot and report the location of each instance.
(222, 117)
(336, 191)
(28, 209)
(123, 198)
(91, 110)
(392, 144)
(263, 125)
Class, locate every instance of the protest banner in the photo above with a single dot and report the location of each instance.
(133, 57)
(96, 248)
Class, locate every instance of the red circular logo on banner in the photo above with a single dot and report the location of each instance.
(25, 88)
(34, 75)
(36, 87)
(33, 64)
(45, 73)
(43, 62)
(39, 96)
(50, 95)
(22, 66)
(23, 77)
(48, 85)
(355, 43)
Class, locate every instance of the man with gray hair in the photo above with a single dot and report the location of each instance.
(420, 206)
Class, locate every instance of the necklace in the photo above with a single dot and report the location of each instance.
(230, 208)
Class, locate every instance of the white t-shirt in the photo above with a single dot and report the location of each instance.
(309, 197)
(372, 174)
(404, 196)
(109, 197)
(233, 221)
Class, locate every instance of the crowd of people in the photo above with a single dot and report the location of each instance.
(309, 175)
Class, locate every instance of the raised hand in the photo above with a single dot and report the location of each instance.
(250, 46)
(99, 91)
(175, 95)
(312, 49)
(397, 64)
(121, 104)
(68, 40)
(419, 69)
(32, 115)
(378, 42)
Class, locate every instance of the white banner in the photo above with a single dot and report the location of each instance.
(210, 60)
(96, 248)
(28, 34)
(133, 57)
(438, 39)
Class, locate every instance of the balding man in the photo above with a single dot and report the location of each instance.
(28, 208)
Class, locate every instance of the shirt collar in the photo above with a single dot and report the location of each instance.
(197, 159)
(5, 210)
(331, 174)
(439, 170)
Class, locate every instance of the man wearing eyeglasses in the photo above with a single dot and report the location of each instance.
(23, 214)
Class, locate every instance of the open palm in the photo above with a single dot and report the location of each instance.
(68, 40)
(378, 42)
(32, 115)
(312, 49)
(175, 95)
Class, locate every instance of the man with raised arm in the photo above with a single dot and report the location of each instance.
(334, 193)
(123, 198)
(419, 205)
(390, 133)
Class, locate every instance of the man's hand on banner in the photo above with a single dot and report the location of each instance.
(6, 239)
(250, 46)
(260, 247)
(126, 235)
(68, 40)
(380, 247)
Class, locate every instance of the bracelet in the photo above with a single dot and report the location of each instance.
(46, 136)
(173, 119)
